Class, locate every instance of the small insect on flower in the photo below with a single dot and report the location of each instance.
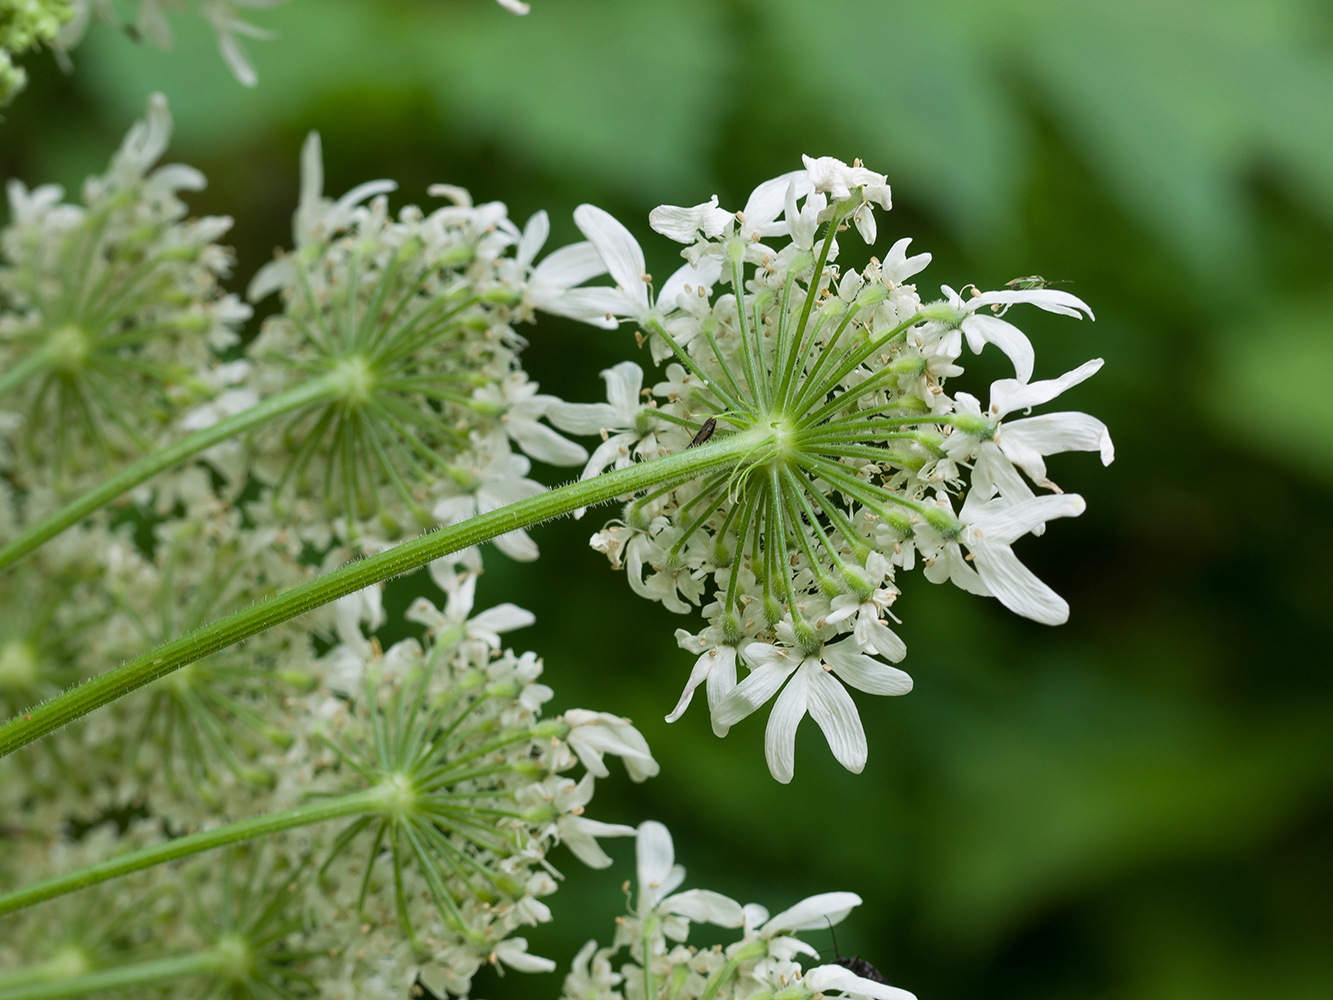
(855, 964)
(1032, 281)
(705, 432)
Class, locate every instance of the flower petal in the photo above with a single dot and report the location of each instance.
(1008, 395)
(705, 906)
(1017, 587)
(835, 713)
(983, 330)
(812, 913)
(788, 711)
(865, 673)
(619, 249)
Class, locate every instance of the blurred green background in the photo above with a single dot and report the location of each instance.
(1135, 805)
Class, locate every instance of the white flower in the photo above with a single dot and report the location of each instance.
(833, 177)
(698, 225)
(513, 952)
(1025, 442)
(659, 876)
(316, 218)
(486, 627)
(811, 689)
(547, 284)
(623, 257)
(981, 329)
(593, 734)
(622, 412)
(497, 479)
(573, 829)
(523, 407)
(990, 529)
(872, 635)
(591, 976)
(716, 665)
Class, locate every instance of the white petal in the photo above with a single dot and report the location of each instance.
(993, 470)
(1017, 587)
(983, 330)
(780, 735)
(768, 200)
(503, 618)
(721, 682)
(569, 266)
(702, 275)
(873, 635)
(1008, 395)
(594, 305)
(533, 238)
(584, 418)
(518, 545)
(684, 224)
(834, 711)
(542, 443)
(1051, 299)
(865, 673)
(1051, 434)
(705, 906)
(1003, 524)
(619, 249)
(697, 676)
(813, 913)
(828, 978)
(624, 382)
(755, 690)
(514, 953)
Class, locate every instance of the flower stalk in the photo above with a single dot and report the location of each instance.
(729, 451)
(311, 393)
(338, 807)
(161, 970)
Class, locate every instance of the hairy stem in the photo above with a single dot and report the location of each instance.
(104, 980)
(134, 674)
(131, 476)
(353, 804)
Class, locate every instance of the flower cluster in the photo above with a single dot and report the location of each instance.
(385, 395)
(405, 329)
(481, 789)
(862, 464)
(113, 314)
(764, 962)
(470, 788)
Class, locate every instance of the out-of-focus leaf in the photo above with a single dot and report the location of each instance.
(627, 95)
(1272, 388)
(909, 87)
(1072, 781)
(1174, 102)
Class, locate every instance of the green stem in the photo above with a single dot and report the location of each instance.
(134, 674)
(305, 394)
(353, 804)
(141, 974)
(23, 371)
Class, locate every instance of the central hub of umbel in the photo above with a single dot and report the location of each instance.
(785, 445)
